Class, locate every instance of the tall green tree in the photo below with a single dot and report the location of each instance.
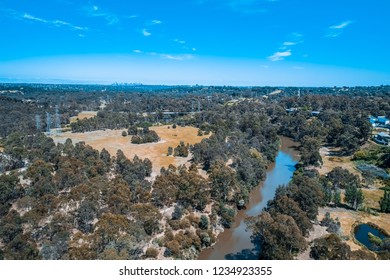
(330, 248)
(354, 196)
(385, 202)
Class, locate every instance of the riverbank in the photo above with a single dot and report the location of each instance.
(235, 242)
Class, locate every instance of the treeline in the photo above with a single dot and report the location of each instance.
(339, 121)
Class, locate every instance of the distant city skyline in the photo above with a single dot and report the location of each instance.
(207, 42)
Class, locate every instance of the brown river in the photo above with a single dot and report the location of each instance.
(235, 243)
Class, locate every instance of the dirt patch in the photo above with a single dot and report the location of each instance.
(330, 162)
(112, 141)
(334, 159)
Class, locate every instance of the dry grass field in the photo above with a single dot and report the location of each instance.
(330, 162)
(83, 115)
(112, 140)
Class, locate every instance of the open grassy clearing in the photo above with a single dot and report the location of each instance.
(330, 162)
(83, 115)
(112, 141)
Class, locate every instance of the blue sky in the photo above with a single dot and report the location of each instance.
(230, 42)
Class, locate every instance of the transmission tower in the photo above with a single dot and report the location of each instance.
(57, 120)
(198, 105)
(48, 122)
(38, 122)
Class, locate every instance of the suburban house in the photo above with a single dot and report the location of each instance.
(315, 113)
(382, 138)
(380, 121)
(291, 110)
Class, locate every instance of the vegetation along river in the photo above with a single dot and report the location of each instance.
(235, 243)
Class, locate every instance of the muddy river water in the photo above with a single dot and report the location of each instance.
(235, 243)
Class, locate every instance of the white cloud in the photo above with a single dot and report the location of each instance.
(64, 23)
(138, 51)
(341, 25)
(194, 49)
(180, 41)
(146, 33)
(156, 21)
(289, 43)
(333, 34)
(30, 17)
(56, 23)
(336, 30)
(280, 55)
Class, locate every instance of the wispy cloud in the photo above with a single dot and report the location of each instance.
(30, 17)
(146, 33)
(288, 43)
(341, 25)
(285, 49)
(179, 41)
(156, 21)
(280, 55)
(293, 39)
(96, 11)
(56, 23)
(337, 30)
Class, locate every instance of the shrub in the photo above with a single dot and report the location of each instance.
(151, 253)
